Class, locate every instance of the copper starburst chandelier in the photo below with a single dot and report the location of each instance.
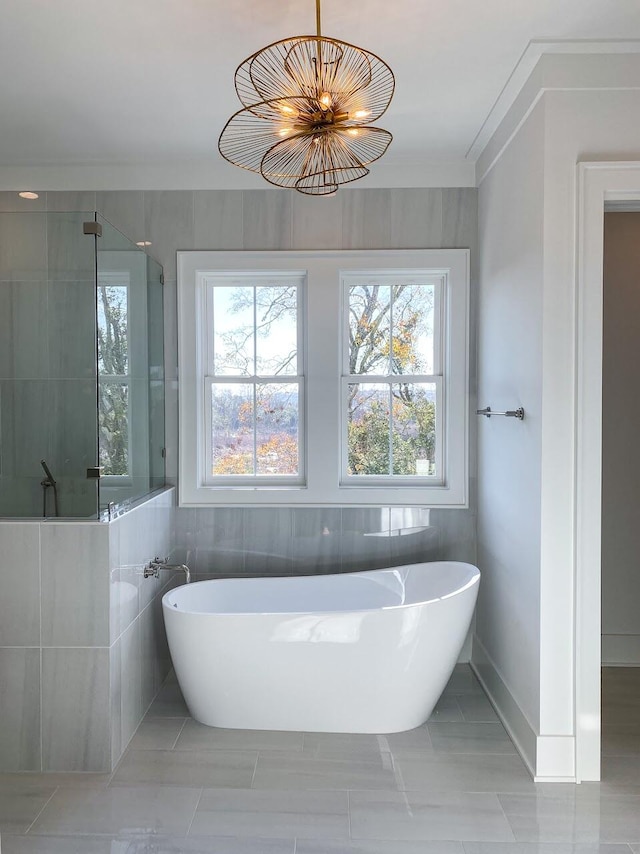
(309, 104)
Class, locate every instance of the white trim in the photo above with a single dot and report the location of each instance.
(323, 389)
(523, 70)
(597, 183)
(521, 732)
(213, 173)
(558, 67)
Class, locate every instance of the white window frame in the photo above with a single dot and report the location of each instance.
(323, 381)
(296, 279)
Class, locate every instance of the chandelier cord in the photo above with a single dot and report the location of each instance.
(318, 31)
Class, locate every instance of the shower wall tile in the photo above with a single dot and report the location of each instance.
(124, 209)
(71, 335)
(317, 223)
(115, 707)
(149, 659)
(114, 584)
(65, 200)
(23, 247)
(316, 539)
(10, 201)
(416, 218)
(19, 585)
(24, 427)
(71, 253)
(218, 219)
(153, 652)
(20, 710)
(131, 681)
(266, 219)
(72, 424)
(21, 497)
(75, 698)
(23, 317)
(267, 541)
(366, 219)
(168, 218)
(75, 584)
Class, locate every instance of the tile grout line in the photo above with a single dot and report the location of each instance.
(255, 768)
(184, 723)
(44, 806)
(506, 817)
(193, 817)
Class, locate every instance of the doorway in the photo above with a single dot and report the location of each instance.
(620, 735)
(600, 184)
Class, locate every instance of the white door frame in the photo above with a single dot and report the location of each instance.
(597, 183)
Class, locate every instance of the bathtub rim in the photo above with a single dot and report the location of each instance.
(176, 609)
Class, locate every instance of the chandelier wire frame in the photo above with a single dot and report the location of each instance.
(308, 107)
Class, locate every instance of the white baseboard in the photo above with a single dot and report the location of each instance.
(549, 758)
(520, 731)
(621, 650)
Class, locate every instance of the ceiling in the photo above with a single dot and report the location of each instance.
(151, 81)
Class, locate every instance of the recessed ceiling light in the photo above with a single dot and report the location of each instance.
(143, 243)
(28, 195)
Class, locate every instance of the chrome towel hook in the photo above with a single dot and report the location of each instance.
(510, 413)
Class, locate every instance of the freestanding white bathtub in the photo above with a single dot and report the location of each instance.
(366, 652)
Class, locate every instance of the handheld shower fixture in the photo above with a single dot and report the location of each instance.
(47, 472)
(45, 483)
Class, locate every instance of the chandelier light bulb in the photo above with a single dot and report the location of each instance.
(332, 90)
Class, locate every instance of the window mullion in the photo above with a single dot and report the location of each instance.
(255, 427)
(390, 428)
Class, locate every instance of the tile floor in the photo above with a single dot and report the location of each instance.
(453, 786)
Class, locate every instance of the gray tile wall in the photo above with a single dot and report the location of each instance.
(288, 540)
(47, 353)
(82, 645)
(294, 541)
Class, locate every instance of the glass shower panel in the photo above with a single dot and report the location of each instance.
(47, 365)
(155, 303)
(129, 333)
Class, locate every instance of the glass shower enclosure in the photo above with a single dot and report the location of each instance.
(81, 367)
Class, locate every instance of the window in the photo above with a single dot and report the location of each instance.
(323, 377)
(392, 378)
(253, 388)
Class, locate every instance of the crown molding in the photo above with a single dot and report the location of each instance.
(522, 90)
